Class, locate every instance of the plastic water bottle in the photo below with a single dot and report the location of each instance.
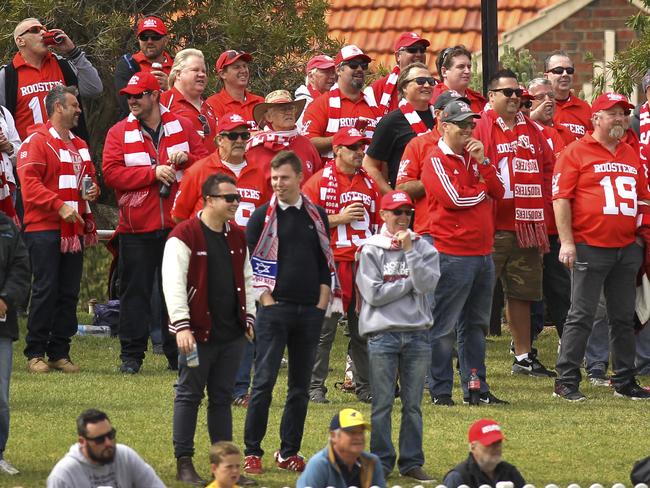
(94, 330)
(192, 358)
(474, 387)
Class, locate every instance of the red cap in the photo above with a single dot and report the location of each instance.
(321, 61)
(485, 431)
(348, 136)
(230, 56)
(350, 52)
(608, 100)
(230, 121)
(526, 93)
(396, 199)
(153, 24)
(407, 39)
(140, 82)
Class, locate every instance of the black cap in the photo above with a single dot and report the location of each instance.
(457, 111)
(447, 96)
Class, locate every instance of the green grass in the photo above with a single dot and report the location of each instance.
(549, 440)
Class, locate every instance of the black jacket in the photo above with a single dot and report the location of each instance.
(641, 471)
(468, 473)
(15, 274)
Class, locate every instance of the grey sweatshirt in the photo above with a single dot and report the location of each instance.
(128, 470)
(394, 284)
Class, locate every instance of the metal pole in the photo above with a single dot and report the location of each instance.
(489, 40)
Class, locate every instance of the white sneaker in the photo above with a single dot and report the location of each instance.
(7, 468)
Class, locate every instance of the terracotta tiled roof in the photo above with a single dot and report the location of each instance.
(373, 25)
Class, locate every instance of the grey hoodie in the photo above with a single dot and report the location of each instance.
(394, 284)
(128, 470)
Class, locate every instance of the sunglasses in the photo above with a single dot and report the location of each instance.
(150, 37)
(508, 92)
(527, 104)
(542, 96)
(206, 126)
(355, 147)
(35, 29)
(138, 96)
(229, 197)
(414, 49)
(399, 212)
(464, 124)
(356, 64)
(558, 70)
(421, 80)
(100, 439)
(233, 136)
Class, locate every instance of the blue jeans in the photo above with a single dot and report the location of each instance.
(243, 378)
(642, 362)
(463, 300)
(296, 327)
(6, 356)
(597, 352)
(407, 354)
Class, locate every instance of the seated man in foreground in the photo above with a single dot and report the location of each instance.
(484, 465)
(343, 462)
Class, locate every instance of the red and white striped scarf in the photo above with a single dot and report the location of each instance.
(413, 118)
(334, 111)
(273, 140)
(6, 187)
(330, 194)
(527, 184)
(136, 153)
(69, 192)
(644, 133)
(389, 90)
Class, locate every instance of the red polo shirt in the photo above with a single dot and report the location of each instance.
(575, 115)
(476, 100)
(222, 103)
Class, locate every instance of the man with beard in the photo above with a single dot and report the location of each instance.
(484, 465)
(599, 186)
(97, 460)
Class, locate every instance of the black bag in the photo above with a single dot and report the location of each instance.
(108, 314)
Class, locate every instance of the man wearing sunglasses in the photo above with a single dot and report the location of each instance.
(397, 271)
(206, 276)
(409, 48)
(152, 36)
(234, 73)
(345, 105)
(525, 162)
(143, 159)
(351, 199)
(454, 66)
(462, 186)
(98, 460)
(571, 112)
(34, 70)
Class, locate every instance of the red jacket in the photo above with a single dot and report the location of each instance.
(461, 205)
(261, 155)
(155, 212)
(38, 171)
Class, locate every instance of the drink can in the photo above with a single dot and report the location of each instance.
(86, 186)
(156, 66)
(192, 358)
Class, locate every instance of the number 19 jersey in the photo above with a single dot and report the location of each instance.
(604, 189)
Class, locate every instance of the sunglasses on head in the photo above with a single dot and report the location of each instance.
(355, 64)
(464, 124)
(421, 80)
(414, 49)
(558, 70)
(138, 96)
(508, 92)
(35, 29)
(150, 37)
(206, 126)
(228, 197)
(401, 211)
(100, 439)
(233, 136)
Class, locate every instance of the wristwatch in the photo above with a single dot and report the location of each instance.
(486, 161)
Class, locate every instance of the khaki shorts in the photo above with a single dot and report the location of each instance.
(520, 269)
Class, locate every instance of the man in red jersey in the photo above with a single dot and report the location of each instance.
(351, 200)
(143, 159)
(409, 48)
(525, 163)
(454, 66)
(321, 75)
(570, 111)
(277, 119)
(33, 72)
(153, 37)
(599, 187)
(461, 186)
(345, 105)
(232, 69)
(230, 159)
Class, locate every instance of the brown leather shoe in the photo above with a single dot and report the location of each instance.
(65, 365)
(186, 473)
(37, 365)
